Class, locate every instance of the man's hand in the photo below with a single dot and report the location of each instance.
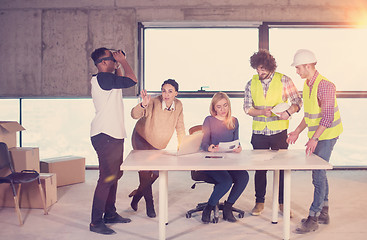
(267, 112)
(292, 137)
(119, 56)
(128, 71)
(311, 146)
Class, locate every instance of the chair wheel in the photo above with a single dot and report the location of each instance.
(188, 215)
(215, 220)
(241, 215)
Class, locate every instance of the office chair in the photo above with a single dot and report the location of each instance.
(201, 177)
(25, 176)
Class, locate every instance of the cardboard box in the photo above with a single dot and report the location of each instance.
(25, 158)
(29, 194)
(8, 132)
(68, 169)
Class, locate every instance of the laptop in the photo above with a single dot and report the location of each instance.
(190, 144)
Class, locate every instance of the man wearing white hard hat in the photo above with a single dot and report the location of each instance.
(322, 118)
(266, 100)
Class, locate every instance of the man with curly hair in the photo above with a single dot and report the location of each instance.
(265, 90)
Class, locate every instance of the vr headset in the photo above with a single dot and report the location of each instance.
(108, 58)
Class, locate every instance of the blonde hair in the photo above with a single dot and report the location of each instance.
(229, 120)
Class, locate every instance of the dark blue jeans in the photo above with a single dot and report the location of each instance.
(274, 142)
(224, 180)
(110, 157)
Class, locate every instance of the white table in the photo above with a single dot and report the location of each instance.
(287, 160)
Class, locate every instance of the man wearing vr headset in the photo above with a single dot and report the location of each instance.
(108, 133)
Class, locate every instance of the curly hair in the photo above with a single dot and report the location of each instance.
(264, 58)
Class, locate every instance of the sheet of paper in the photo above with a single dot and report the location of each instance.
(281, 107)
(228, 146)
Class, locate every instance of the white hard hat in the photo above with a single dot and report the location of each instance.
(303, 56)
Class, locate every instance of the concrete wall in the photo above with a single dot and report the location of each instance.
(45, 44)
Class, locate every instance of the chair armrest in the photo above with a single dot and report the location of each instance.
(29, 171)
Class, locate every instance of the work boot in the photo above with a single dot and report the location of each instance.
(257, 210)
(324, 216)
(309, 225)
(281, 208)
(206, 213)
(227, 212)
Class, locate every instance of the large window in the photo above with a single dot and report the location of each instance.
(215, 59)
(340, 52)
(61, 127)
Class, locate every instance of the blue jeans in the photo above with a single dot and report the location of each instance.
(224, 180)
(319, 178)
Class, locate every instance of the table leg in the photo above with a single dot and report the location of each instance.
(275, 197)
(163, 210)
(166, 197)
(287, 204)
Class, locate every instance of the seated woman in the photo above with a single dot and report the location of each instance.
(222, 127)
(158, 118)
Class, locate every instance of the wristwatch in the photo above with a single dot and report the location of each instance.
(315, 138)
(288, 112)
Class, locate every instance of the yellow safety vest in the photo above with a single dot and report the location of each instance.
(313, 112)
(273, 97)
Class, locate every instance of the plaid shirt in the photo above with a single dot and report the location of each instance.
(289, 92)
(326, 99)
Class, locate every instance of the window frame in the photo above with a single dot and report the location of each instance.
(263, 31)
(142, 26)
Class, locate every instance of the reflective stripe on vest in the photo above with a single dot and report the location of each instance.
(313, 112)
(273, 97)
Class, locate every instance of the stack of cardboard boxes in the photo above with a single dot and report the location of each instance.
(55, 172)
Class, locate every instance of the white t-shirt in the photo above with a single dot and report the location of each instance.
(109, 106)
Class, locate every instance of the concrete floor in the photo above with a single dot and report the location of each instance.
(69, 218)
